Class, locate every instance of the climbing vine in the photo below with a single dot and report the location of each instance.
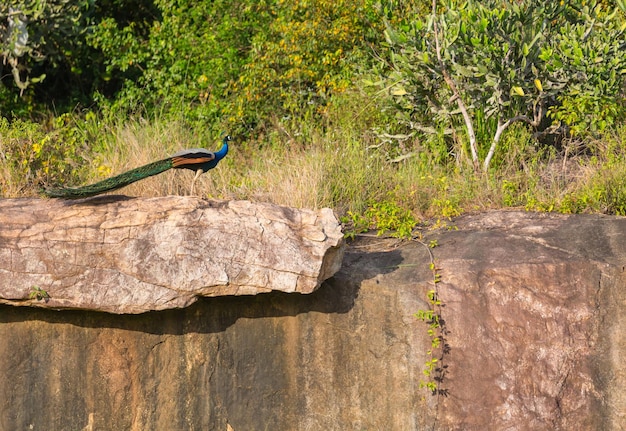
(387, 217)
(435, 368)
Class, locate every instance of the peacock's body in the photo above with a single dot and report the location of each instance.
(199, 160)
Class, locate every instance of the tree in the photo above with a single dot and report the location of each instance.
(511, 60)
(38, 37)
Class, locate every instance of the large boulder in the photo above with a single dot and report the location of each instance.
(123, 255)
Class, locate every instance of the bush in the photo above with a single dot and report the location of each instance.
(493, 63)
(43, 42)
(31, 156)
(244, 64)
(187, 60)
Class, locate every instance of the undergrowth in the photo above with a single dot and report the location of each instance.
(344, 162)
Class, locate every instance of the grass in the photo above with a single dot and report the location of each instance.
(321, 172)
(339, 163)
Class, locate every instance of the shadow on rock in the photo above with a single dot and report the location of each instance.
(211, 315)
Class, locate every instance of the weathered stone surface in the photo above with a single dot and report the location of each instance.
(534, 307)
(123, 255)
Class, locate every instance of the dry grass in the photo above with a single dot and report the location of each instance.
(340, 171)
(288, 176)
(341, 168)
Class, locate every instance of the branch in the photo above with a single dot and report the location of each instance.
(496, 138)
(538, 109)
(429, 129)
(22, 85)
(459, 100)
(538, 113)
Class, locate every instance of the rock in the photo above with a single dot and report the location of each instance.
(123, 255)
(533, 309)
(534, 306)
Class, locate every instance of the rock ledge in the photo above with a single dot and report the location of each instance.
(126, 255)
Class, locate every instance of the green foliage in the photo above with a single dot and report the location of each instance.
(307, 54)
(385, 217)
(246, 64)
(509, 193)
(574, 110)
(434, 369)
(503, 62)
(39, 294)
(42, 42)
(186, 62)
(608, 189)
(588, 52)
(389, 217)
(447, 207)
(34, 156)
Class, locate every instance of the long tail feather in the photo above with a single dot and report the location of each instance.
(112, 183)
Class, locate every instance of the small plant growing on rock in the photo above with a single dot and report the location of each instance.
(39, 294)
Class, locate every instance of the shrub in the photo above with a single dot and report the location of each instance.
(43, 41)
(509, 61)
(31, 156)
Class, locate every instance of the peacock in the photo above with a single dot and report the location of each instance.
(199, 160)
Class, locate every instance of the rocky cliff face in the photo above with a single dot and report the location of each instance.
(533, 308)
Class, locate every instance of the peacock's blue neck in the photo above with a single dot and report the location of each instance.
(219, 155)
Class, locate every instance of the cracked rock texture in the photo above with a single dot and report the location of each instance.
(534, 309)
(123, 255)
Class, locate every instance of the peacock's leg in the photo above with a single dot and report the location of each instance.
(198, 173)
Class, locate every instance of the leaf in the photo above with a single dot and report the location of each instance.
(464, 71)
(38, 78)
(534, 70)
(388, 37)
(517, 90)
(546, 54)
(398, 91)
(535, 39)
